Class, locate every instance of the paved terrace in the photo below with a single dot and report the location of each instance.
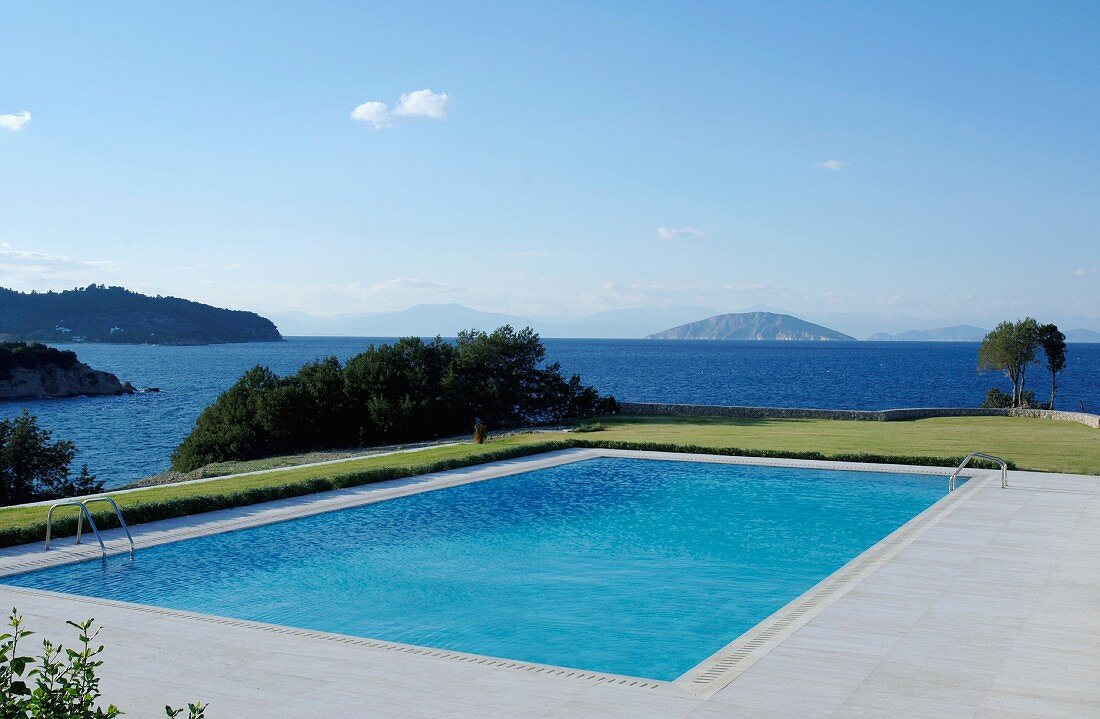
(990, 607)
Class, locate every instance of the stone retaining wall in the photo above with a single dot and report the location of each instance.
(889, 415)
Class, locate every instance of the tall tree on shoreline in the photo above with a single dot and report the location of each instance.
(1010, 348)
(1053, 343)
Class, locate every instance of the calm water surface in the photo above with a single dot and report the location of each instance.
(632, 567)
(125, 438)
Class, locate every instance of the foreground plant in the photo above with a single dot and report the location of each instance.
(60, 683)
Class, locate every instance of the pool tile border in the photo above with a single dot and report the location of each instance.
(703, 680)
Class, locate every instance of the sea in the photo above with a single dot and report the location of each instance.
(125, 438)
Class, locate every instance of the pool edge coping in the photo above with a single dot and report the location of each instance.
(724, 666)
(702, 681)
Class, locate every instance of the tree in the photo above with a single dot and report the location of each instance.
(236, 426)
(1053, 343)
(406, 391)
(32, 468)
(497, 375)
(395, 392)
(1010, 348)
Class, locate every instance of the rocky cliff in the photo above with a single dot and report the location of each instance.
(60, 382)
(35, 371)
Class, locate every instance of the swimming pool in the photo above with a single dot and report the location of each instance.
(614, 565)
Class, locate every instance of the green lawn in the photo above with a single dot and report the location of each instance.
(1038, 444)
(1029, 443)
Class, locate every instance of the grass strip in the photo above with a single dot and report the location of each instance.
(21, 525)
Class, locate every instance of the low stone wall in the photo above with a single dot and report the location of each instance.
(652, 409)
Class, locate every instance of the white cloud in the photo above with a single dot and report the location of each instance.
(376, 113)
(16, 121)
(834, 165)
(424, 103)
(27, 269)
(675, 233)
(1082, 272)
(421, 103)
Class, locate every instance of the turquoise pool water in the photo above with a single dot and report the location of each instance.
(625, 566)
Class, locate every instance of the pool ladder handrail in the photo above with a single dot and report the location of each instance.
(952, 482)
(83, 505)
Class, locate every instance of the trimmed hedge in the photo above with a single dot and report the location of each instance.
(141, 512)
(862, 457)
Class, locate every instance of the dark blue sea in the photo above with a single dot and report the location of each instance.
(129, 437)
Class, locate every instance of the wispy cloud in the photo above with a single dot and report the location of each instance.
(639, 294)
(530, 253)
(420, 103)
(676, 233)
(1082, 272)
(28, 269)
(834, 165)
(14, 121)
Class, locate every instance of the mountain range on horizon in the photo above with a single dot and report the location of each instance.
(114, 314)
(428, 320)
(117, 314)
(954, 333)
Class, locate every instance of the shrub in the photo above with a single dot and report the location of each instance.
(589, 427)
(996, 399)
(65, 685)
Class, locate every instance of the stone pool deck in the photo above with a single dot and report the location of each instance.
(988, 605)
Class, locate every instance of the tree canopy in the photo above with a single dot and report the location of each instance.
(1053, 343)
(33, 468)
(1011, 348)
(32, 356)
(406, 391)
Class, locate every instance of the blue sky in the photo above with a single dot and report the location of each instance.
(920, 158)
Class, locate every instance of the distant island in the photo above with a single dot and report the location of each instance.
(97, 313)
(35, 371)
(752, 326)
(955, 333)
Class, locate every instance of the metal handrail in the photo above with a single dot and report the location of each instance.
(83, 513)
(952, 483)
(118, 513)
